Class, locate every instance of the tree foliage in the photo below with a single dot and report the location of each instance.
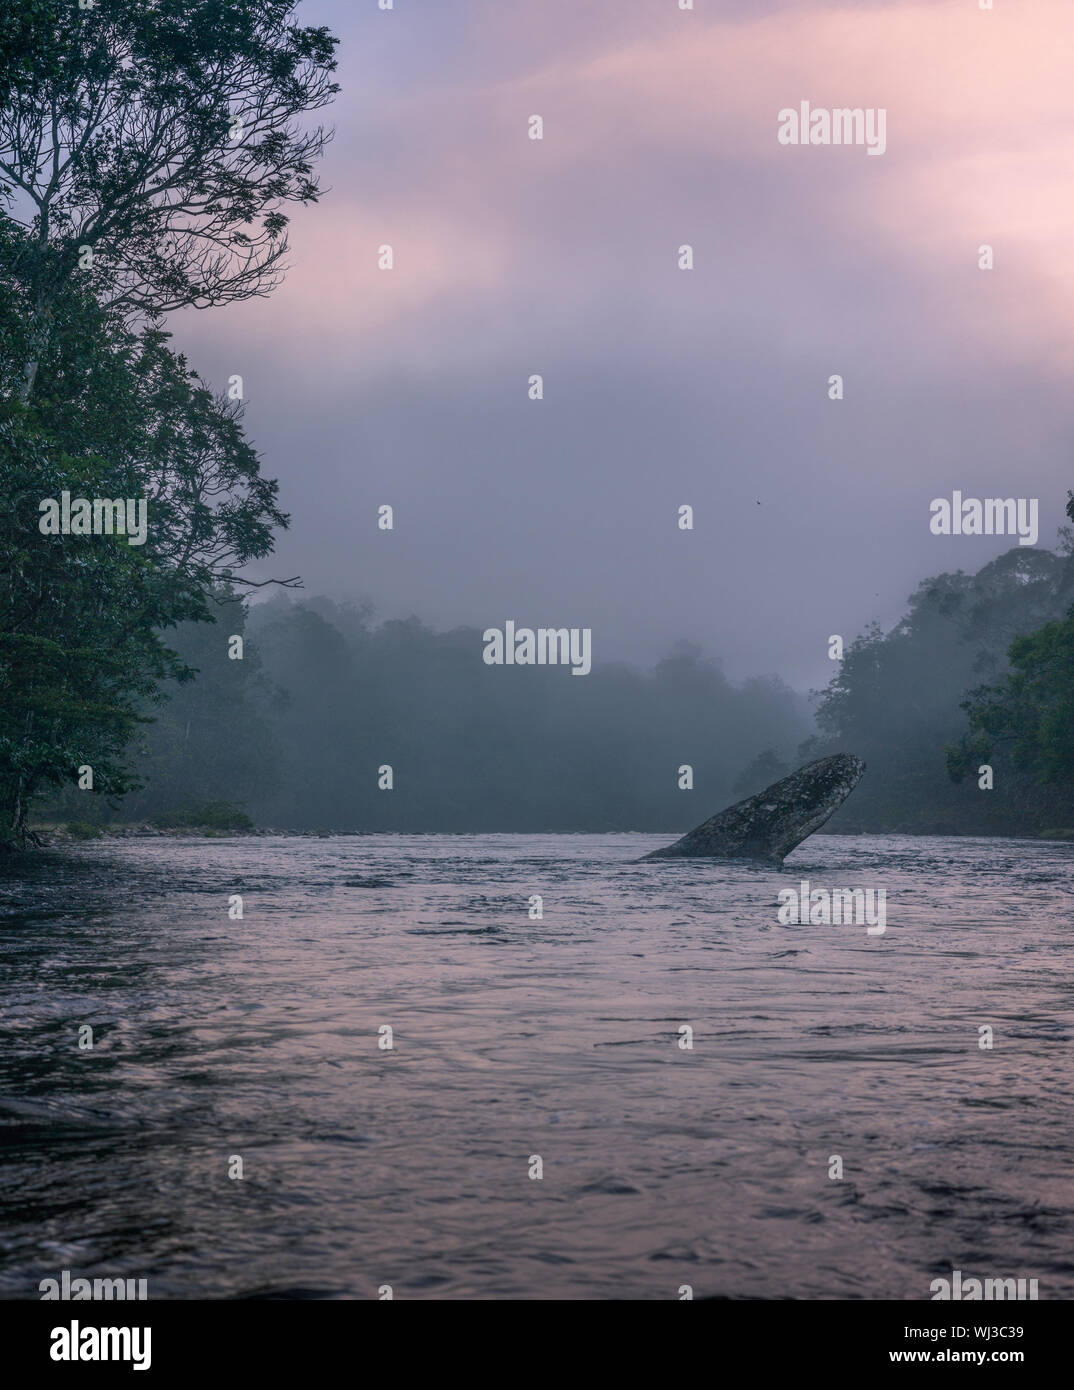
(147, 155)
(896, 697)
(163, 139)
(327, 695)
(1029, 715)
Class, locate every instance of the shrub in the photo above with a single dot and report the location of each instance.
(207, 815)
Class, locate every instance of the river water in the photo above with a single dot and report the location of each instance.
(517, 1039)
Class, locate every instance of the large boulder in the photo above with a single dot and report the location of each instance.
(769, 825)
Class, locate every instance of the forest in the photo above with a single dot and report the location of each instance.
(296, 734)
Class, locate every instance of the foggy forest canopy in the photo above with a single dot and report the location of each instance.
(325, 696)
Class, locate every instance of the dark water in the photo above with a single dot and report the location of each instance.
(517, 1037)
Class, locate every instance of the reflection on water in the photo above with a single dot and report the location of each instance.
(515, 1037)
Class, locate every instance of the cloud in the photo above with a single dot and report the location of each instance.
(662, 386)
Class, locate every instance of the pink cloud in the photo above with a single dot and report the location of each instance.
(978, 107)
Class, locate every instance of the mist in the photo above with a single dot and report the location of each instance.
(662, 387)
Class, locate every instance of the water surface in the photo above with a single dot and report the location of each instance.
(516, 1038)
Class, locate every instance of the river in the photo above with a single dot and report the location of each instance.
(524, 1044)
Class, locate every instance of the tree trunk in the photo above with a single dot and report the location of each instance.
(14, 818)
(40, 334)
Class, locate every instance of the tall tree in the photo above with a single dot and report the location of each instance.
(148, 153)
(156, 146)
(1029, 714)
(115, 415)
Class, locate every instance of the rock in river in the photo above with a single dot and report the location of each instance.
(769, 825)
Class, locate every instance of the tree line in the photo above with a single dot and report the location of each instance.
(962, 711)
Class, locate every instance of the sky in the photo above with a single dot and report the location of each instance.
(666, 387)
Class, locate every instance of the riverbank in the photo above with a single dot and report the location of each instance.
(77, 832)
